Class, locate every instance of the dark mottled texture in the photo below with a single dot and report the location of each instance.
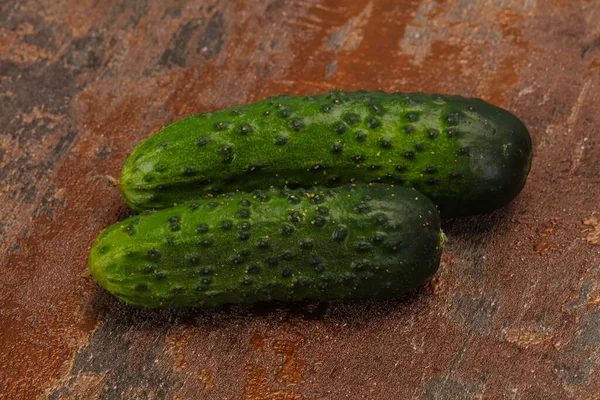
(513, 311)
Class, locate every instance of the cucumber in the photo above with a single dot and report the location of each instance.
(466, 155)
(288, 245)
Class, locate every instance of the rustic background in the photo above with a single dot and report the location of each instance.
(515, 310)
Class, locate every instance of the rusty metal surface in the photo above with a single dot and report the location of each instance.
(514, 311)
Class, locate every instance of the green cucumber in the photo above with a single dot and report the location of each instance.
(466, 155)
(288, 245)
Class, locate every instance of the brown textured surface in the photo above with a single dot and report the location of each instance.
(513, 313)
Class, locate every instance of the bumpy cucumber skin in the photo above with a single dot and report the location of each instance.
(468, 156)
(322, 244)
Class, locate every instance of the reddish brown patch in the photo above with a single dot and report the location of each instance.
(546, 233)
(258, 386)
(518, 286)
(257, 342)
(291, 372)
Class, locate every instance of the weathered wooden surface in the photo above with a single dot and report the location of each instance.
(515, 310)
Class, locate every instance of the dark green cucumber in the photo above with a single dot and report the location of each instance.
(322, 244)
(468, 156)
